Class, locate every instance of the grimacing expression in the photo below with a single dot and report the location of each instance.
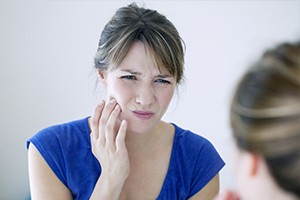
(142, 90)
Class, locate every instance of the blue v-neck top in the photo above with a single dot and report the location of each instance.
(67, 150)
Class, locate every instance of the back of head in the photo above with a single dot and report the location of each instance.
(133, 23)
(265, 113)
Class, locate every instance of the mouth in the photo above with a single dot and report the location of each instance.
(143, 114)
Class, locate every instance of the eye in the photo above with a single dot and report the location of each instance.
(129, 77)
(163, 81)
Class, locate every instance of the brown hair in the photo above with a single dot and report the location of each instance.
(265, 113)
(133, 23)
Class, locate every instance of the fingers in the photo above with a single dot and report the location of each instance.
(227, 195)
(120, 139)
(234, 196)
(95, 119)
(104, 119)
(110, 133)
(103, 123)
(108, 144)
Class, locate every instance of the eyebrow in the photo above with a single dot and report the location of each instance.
(138, 73)
(131, 72)
(164, 76)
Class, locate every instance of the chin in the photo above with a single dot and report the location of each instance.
(137, 125)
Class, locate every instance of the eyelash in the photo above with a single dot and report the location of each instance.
(163, 81)
(130, 77)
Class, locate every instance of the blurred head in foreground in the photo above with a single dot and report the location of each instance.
(265, 120)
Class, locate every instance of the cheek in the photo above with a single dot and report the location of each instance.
(121, 92)
(166, 96)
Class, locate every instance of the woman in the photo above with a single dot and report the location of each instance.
(265, 119)
(124, 150)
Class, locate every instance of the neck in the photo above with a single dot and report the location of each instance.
(139, 142)
(153, 140)
(271, 190)
(280, 194)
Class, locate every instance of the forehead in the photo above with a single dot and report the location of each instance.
(140, 58)
(143, 71)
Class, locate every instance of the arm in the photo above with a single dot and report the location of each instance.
(209, 191)
(44, 184)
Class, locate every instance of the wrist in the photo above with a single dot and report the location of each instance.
(107, 188)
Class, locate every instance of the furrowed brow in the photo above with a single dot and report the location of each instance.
(131, 72)
(164, 76)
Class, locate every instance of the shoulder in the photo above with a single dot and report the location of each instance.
(60, 133)
(195, 145)
(191, 141)
(64, 147)
(61, 141)
(199, 160)
(80, 125)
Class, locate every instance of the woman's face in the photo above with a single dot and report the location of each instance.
(140, 88)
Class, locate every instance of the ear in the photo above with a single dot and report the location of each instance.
(102, 77)
(255, 163)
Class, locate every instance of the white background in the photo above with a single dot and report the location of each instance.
(47, 77)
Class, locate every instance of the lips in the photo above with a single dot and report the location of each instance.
(143, 114)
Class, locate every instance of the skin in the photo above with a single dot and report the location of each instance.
(126, 135)
(254, 180)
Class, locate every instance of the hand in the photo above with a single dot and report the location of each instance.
(108, 142)
(227, 195)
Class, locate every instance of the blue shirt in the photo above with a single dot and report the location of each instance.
(67, 150)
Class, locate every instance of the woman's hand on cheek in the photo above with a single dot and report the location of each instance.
(108, 144)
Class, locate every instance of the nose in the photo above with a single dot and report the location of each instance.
(145, 95)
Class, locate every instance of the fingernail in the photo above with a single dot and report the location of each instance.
(101, 102)
(112, 101)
